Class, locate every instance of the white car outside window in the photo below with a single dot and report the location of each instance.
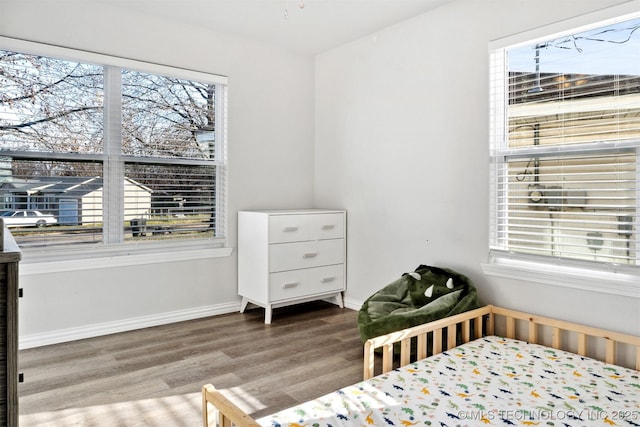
(27, 218)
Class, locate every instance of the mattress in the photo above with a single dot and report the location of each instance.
(489, 381)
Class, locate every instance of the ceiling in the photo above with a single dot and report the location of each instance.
(304, 26)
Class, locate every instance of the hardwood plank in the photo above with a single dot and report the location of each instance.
(332, 380)
(153, 376)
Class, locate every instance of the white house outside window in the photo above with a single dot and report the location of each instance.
(565, 147)
(115, 155)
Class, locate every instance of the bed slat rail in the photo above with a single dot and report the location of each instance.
(228, 413)
(422, 333)
(560, 329)
(513, 323)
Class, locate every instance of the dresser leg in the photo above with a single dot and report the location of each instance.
(267, 314)
(243, 304)
(339, 300)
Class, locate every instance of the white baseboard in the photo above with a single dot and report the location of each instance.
(353, 304)
(90, 331)
(96, 330)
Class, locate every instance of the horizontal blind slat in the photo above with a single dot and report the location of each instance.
(565, 146)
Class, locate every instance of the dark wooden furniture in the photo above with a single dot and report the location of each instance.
(10, 255)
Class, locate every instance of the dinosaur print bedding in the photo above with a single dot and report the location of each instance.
(491, 381)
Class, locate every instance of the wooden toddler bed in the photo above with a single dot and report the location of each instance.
(489, 366)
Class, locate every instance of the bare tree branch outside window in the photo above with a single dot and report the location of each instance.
(52, 139)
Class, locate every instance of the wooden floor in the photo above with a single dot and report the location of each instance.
(153, 376)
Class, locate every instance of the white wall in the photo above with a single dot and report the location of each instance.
(270, 133)
(400, 141)
(402, 144)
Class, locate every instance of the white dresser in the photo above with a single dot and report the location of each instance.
(291, 256)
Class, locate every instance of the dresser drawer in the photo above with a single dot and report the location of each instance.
(298, 228)
(293, 256)
(298, 283)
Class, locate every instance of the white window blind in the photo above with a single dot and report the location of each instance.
(113, 154)
(565, 145)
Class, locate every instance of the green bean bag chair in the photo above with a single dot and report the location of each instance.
(427, 294)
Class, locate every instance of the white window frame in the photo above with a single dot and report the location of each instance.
(117, 254)
(609, 279)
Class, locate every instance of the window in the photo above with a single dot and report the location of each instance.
(565, 146)
(115, 151)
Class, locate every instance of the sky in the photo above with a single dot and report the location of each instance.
(614, 49)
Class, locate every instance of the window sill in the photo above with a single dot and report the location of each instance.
(118, 256)
(625, 283)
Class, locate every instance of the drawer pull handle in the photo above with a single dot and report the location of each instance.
(290, 229)
(290, 285)
(310, 255)
(327, 279)
(328, 227)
